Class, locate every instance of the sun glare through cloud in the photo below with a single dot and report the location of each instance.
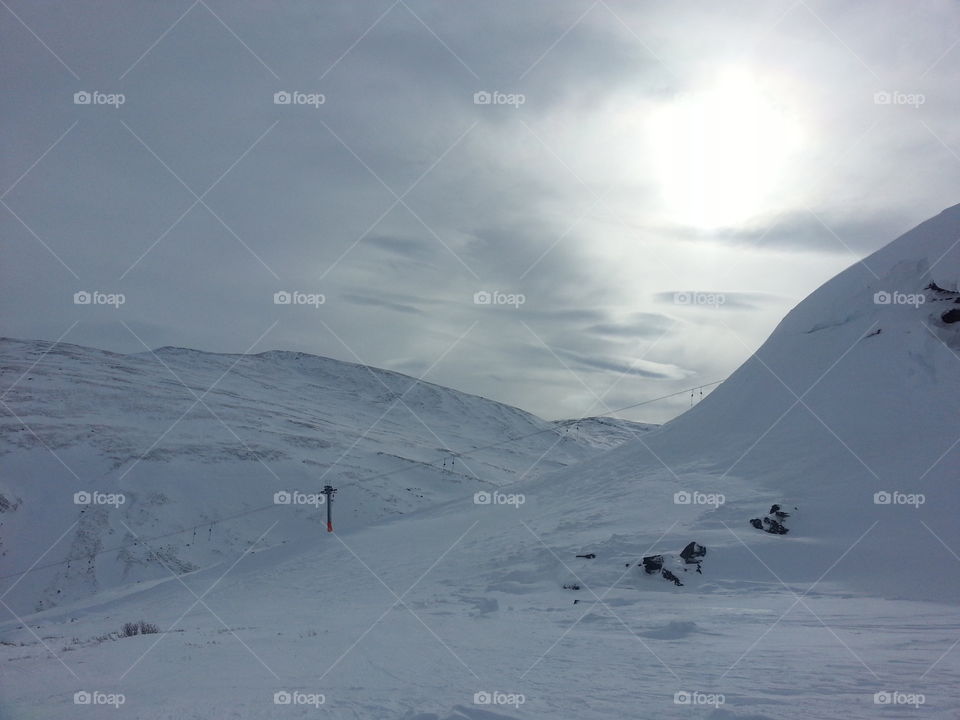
(722, 153)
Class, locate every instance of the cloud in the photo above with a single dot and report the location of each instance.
(368, 301)
(399, 194)
(639, 325)
(624, 366)
(692, 299)
(410, 248)
(828, 230)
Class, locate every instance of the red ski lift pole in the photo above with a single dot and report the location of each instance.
(329, 491)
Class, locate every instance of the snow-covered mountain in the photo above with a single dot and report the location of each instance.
(849, 412)
(479, 608)
(188, 438)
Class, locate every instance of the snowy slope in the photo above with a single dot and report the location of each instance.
(189, 438)
(849, 397)
(428, 615)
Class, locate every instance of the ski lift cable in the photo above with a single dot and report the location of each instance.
(575, 421)
(193, 528)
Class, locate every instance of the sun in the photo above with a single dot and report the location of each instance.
(722, 155)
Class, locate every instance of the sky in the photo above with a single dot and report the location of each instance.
(567, 206)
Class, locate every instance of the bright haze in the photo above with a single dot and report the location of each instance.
(565, 206)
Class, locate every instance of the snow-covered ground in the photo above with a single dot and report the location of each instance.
(186, 439)
(454, 606)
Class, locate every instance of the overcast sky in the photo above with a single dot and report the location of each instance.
(650, 188)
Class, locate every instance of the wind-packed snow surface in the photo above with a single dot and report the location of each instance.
(454, 606)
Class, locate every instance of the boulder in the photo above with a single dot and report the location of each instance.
(652, 564)
(773, 527)
(692, 553)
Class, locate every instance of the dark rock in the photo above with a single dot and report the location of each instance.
(773, 527)
(588, 556)
(951, 316)
(574, 586)
(667, 575)
(692, 552)
(652, 563)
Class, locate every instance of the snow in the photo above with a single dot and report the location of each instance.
(188, 438)
(425, 607)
